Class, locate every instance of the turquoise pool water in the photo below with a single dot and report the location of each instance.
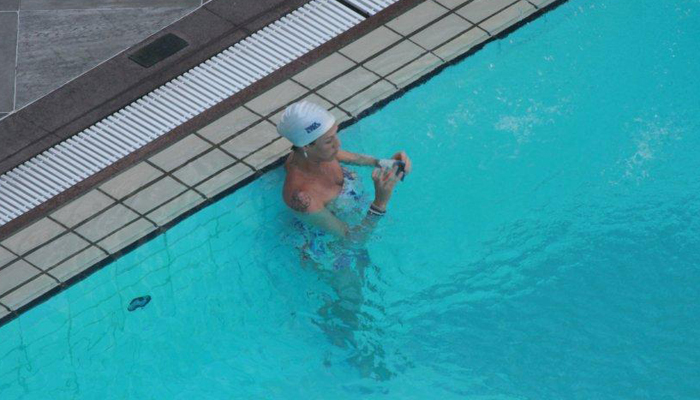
(547, 246)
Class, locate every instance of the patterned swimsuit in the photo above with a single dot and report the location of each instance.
(348, 207)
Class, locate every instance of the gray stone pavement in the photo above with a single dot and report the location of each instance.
(46, 43)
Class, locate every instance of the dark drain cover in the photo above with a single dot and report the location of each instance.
(139, 302)
(159, 50)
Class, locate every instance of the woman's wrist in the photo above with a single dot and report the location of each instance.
(379, 205)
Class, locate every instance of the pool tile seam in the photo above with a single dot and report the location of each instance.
(475, 22)
(515, 22)
(454, 12)
(92, 218)
(119, 201)
(423, 53)
(37, 248)
(11, 260)
(474, 25)
(448, 39)
(343, 74)
(228, 139)
(28, 281)
(71, 230)
(141, 189)
(212, 147)
(314, 92)
(217, 146)
(324, 84)
(194, 188)
(241, 132)
(417, 44)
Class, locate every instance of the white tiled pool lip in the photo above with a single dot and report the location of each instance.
(88, 231)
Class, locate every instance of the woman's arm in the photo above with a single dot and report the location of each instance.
(361, 159)
(327, 221)
(356, 159)
(315, 213)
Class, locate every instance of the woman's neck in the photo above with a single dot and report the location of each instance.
(306, 164)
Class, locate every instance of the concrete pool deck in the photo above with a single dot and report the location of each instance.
(46, 43)
(89, 225)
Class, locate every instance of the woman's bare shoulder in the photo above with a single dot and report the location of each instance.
(298, 194)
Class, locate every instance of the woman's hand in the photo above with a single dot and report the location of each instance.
(401, 156)
(384, 181)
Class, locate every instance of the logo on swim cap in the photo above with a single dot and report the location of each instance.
(312, 127)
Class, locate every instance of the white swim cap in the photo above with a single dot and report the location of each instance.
(303, 122)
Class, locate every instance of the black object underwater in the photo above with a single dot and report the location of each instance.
(139, 302)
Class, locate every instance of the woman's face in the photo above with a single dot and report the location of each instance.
(326, 147)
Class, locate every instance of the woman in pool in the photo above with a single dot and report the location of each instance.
(315, 180)
(325, 196)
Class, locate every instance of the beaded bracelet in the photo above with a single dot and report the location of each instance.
(375, 211)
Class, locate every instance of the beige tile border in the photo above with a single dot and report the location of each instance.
(200, 167)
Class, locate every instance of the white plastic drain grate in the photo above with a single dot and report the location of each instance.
(371, 7)
(176, 102)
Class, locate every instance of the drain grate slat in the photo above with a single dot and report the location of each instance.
(178, 101)
(371, 7)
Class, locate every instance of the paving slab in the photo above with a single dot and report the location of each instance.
(203, 167)
(28, 292)
(78, 263)
(229, 125)
(461, 44)
(441, 31)
(9, 5)
(82, 208)
(151, 197)
(15, 274)
(175, 207)
(130, 180)
(478, 10)
(394, 58)
(5, 256)
(251, 140)
(415, 70)
(106, 222)
(347, 85)
(58, 250)
(103, 4)
(17, 133)
(8, 58)
(509, 16)
(224, 180)
(370, 44)
(418, 17)
(32, 236)
(252, 15)
(129, 234)
(58, 46)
